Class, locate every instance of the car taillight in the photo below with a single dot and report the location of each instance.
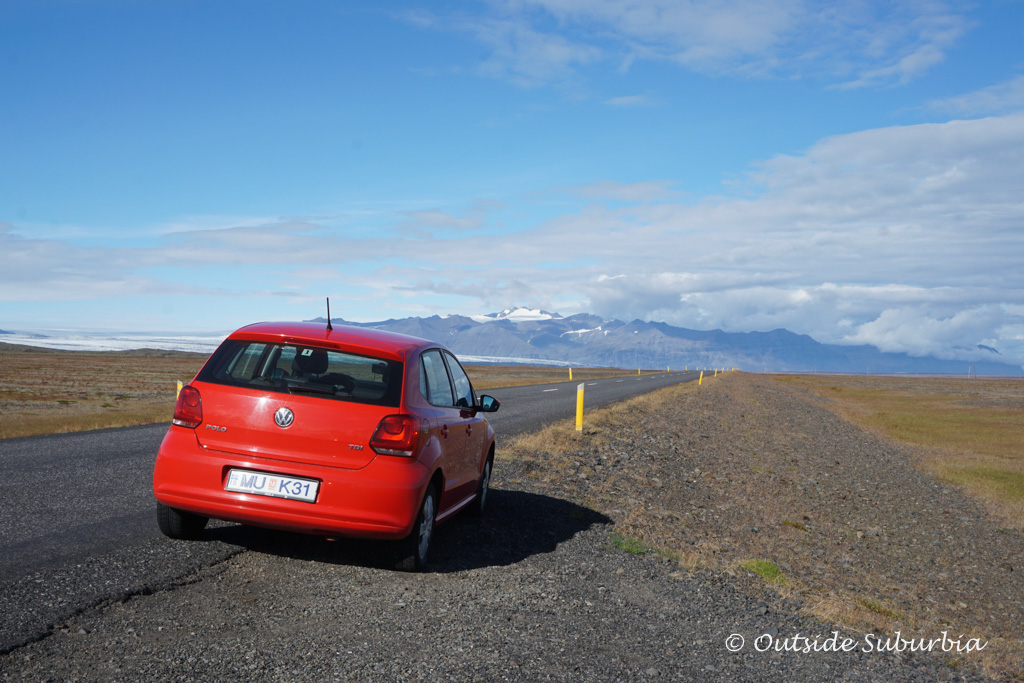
(398, 435)
(188, 411)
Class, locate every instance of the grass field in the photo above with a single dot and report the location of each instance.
(43, 391)
(969, 432)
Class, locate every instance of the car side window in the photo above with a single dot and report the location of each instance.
(463, 387)
(437, 389)
(245, 365)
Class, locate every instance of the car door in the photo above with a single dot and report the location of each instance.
(475, 426)
(449, 423)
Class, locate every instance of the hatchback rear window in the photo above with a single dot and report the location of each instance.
(309, 370)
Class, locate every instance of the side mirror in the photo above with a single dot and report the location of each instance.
(488, 404)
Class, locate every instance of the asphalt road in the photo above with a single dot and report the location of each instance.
(77, 522)
(527, 408)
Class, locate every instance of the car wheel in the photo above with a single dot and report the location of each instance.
(178, 523)
(476, 508)
(414, 549)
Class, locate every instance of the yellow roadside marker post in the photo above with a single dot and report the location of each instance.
(579, 408)
(700, 380)
(178, 393)
(570, 374)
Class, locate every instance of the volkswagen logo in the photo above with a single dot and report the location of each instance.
(284, 417)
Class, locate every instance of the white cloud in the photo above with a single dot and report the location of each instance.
(914, 331)
(610, 190)
(911, 39)
(995, 99)
(279, 243)
(54, 270)
(630, 101)
(418, 17)
(436, 221)
(527, 56)
(434, 218)
(852, 43)
(946, 322)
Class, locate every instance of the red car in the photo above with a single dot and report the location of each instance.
(335, 431)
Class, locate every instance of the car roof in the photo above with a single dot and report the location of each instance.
(357, 339)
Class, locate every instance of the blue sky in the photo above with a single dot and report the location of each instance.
(849, 170)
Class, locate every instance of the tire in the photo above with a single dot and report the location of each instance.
(477, 507)
(179, 524)
(414, 550)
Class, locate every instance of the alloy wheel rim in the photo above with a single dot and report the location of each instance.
(426, 527)
(485, 484)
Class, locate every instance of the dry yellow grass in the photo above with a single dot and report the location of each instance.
(43, 391)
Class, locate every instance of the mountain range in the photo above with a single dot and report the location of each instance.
(523, 335)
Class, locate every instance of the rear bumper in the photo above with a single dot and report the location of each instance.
(380, 500)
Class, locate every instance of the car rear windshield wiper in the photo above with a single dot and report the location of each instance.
(311, 388)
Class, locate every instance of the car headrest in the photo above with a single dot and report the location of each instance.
(311, 361)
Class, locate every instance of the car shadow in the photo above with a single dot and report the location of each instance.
(515, 526)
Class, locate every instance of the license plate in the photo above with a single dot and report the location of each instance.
(275, 485)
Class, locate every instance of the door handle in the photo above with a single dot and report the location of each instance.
(469, 430)
(444, 431)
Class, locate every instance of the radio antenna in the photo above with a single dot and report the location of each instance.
(329, 328)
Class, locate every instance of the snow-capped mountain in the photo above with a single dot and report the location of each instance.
(533, 336)
(516, 315)
(525, 335)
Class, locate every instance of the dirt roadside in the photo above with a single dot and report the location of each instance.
(747, 468)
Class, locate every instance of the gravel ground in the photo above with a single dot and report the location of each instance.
(537, 590)
(749, 468)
